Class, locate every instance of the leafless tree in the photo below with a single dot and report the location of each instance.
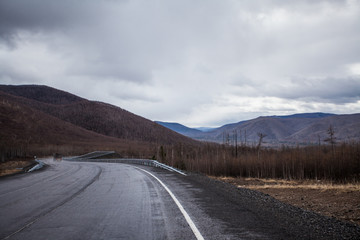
(331, 139)
(235, 135)
(261, 137)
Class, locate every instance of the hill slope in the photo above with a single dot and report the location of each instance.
(25, 130)
(43, 119)
(95, 116)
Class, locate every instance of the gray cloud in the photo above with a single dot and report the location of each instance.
(333, 90)
(188, 58)
(11, 75)
(42, 15)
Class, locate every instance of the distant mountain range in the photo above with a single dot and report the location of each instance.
(32, 115)
(186, 131)
(304, 128)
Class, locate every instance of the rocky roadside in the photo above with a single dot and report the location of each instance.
(333, 200)
(255, 211)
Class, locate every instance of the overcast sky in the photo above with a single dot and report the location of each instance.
(196, 62)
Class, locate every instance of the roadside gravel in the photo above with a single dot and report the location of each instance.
(246, 211)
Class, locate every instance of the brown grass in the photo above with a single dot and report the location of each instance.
(14, 166)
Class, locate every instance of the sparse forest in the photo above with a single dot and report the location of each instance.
(337, 163)
(328, 160)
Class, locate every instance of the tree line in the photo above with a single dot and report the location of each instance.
(328, 160)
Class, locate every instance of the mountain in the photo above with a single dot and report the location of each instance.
(26, 131)
(190, 132)
(32, 115)
(204, 129)
(307, 115)
(38, 115)
(305, 128)
(194, 133)
(21, 123)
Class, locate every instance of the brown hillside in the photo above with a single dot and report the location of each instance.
(112, 121)
(98, 117)
(289, 130)
(43, 94)
(346, 127)
(24, 127)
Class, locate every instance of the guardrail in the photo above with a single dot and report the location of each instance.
(146, 162)
(39, 165)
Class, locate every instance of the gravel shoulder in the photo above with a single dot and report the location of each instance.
(341, 201)
(250, 214)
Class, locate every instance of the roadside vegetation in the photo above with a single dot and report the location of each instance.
(323, 178)
(340, 163)
(15, 166)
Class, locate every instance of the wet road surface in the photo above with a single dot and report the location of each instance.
(79, 200)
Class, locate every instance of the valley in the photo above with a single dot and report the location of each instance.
(292, 130)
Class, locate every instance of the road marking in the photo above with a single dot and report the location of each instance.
(182, 210)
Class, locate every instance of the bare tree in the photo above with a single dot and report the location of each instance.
(261, 137)
(331, 139)
(236, 142)
(245, 138)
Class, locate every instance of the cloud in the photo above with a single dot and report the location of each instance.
(42, 15)
(334, 90)
(188, 60)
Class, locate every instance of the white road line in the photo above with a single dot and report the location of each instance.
(186, 215)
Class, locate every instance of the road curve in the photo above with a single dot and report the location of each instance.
(80, 200)
(88, 201)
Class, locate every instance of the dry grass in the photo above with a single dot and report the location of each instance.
(306, 184)
(11, 167)
(335, 200)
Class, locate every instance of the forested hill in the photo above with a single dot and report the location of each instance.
(60, 115)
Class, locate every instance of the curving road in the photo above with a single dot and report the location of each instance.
(73, 200)
(88, 201)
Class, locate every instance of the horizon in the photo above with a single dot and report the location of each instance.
(190, 126)
(204, 63)
(214, 127)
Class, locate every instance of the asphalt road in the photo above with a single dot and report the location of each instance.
(79, 200)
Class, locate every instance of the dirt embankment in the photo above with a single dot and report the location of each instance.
(341, 201)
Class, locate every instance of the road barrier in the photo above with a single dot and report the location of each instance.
(39, 165)
(146, 162)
